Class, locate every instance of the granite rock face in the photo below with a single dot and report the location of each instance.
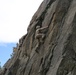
(56, 55)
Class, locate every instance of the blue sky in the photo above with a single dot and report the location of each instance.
(15, 16)
(5, 52)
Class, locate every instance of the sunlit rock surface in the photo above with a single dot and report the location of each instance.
(56, 55)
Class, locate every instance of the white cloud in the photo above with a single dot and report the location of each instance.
(15, 16)
(3, 44)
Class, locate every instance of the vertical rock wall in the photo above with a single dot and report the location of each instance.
(57, 54)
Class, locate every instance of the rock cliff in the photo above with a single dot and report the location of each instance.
(51, 48)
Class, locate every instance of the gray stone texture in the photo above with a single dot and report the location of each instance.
(57, 54)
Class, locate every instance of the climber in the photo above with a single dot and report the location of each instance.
(40, 33)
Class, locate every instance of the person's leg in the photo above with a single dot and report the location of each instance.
(43, 35)
(42, 38)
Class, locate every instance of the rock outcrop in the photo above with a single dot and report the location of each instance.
(56, 55)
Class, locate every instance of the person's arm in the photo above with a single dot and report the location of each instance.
(44, 28)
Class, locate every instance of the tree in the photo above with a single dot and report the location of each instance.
(0, 65)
